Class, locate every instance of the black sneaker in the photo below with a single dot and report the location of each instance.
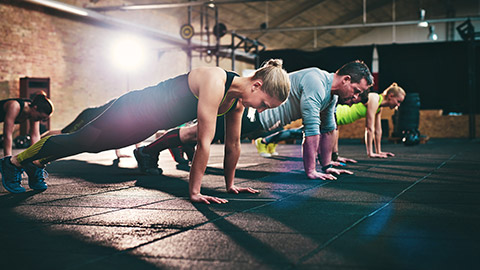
(36, 176)
(11, 176)
(146, 163)
(177, 155)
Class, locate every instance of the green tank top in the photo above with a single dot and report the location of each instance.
(348, 114)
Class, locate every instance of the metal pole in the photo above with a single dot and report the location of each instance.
(257, 58)
(233, 51)
(357, 25)
(472, 86)
(189, 48)
(217, 35)
(364, 11)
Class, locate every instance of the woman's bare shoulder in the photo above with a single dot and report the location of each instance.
(11, 104)
(206, 76)
(207, 71)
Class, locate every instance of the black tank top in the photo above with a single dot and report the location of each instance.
(21, 101)
(228, 83)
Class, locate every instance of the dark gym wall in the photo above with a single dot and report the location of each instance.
(438, 71)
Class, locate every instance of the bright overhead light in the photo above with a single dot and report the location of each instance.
(431, 33)
(128, 53)
(422, 22)
(61, 6)
(211, 4)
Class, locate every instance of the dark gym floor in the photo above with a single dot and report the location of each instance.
(418, 210)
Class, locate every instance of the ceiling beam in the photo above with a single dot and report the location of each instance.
(371, 6)
(171, 5)
(124, 24)
(289, 15)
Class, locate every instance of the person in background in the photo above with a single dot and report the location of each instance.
(18, 110)
(369, 105)
(392, 97)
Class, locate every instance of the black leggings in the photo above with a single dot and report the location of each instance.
(85, 117)
(132, 118)
(286, 134)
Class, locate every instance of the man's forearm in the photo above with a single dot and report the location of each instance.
(327, 142)
(310, 147)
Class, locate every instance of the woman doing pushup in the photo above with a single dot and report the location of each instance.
(203, 93)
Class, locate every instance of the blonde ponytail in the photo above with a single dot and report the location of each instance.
(276, 82)
(395, 90)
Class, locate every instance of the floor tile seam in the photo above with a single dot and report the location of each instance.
(66, 221)
(92, 215)
(188, 258)
(114, 209)
(45, 224)
(399, 170)
(116, 226)
(302, 233)
(450, 191)
(325, 182)
(220, 260)
(76, 183)
(366, 167)
(87, 195)
(321, 184)
(316, 234)
(270, 263)
(82, 195)
(106, 207)
(418, 237)
(335, 201)
(436, 203)
(442, 216)
(150, 203)
(341, 233)
(76, 206)
(397, 173)
(252, 180)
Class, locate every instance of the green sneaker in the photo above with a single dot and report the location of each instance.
(271, 149)
(262, 148)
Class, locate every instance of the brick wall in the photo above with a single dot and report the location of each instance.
(76, 55)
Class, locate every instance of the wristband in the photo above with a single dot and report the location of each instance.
(325, 168)
(334, 156)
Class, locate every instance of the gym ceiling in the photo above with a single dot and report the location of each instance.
(292, 24)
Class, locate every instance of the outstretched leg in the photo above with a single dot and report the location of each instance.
(266, 146)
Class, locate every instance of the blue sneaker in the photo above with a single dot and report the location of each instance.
(11, 176)
(36, 176)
